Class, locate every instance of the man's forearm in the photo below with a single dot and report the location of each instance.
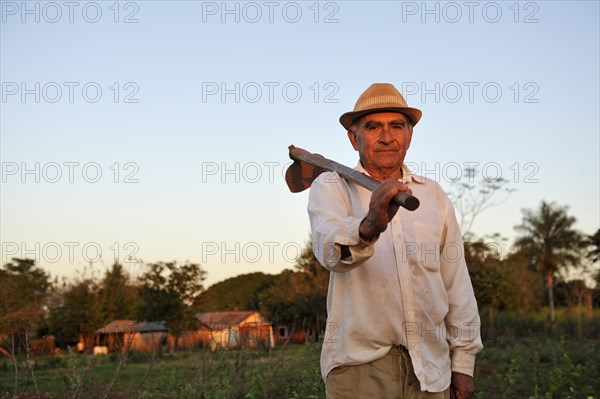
(366, 231)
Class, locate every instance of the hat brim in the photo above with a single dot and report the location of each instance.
(413, 114)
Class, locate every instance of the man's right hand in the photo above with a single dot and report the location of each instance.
(381, 208)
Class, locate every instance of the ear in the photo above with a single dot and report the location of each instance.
(353, 140)
(409, 138)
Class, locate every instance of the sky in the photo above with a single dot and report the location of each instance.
(146, 131)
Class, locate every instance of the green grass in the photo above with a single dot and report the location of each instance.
(523, 358)
(291, 372)
(539, 367)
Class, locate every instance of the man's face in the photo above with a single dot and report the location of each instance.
(382, 140)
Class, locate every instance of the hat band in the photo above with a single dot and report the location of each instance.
(380, 100)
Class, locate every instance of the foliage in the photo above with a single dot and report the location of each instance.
(80, 307)
(298, 298)
(526, 357)
(593, 255)
(167, 292)
(492, 287)
(117, 295)
(236, 293)
(25, 289)
(75, 312)
(502, 282)
(550, 242)
(593, 242)
(575, 292)
(529, 283)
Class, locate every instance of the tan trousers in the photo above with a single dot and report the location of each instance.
(391, 377)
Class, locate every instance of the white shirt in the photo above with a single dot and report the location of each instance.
(408, 287)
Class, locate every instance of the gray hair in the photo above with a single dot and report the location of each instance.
(354, 126)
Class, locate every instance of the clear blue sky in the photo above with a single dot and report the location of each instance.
(186, 108)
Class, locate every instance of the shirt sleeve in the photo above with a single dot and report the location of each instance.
(333, 225)
(462, 321)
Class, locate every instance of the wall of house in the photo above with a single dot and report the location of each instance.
(283, 334)
(257, 336)
(193, 339)
(145, 342)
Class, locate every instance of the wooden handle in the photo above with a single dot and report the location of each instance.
(407, 201)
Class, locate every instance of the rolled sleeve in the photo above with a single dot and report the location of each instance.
(463, 362)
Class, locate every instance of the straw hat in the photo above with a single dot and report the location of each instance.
(380, 97)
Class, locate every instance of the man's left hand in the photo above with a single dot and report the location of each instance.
(462, 385)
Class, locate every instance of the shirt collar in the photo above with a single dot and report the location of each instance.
(407, 175)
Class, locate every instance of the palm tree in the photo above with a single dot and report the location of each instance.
(594, 253)
(594, 242)
(550, 241)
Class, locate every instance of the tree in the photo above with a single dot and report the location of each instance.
(24, 290)
(236, 293)
(167, 292)
(594, 244)
(117, 295)
(550, 242)
(593, 254)
(80, 307)
(500, 283)
(76, 312)
(490, 284)
(470, 199)
(299, 298)
(576, 292)
(23, 293)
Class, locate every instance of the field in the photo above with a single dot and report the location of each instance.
(523, 358)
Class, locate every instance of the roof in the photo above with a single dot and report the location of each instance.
(220, 320)
(127, 326)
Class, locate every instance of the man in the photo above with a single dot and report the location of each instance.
(402, 318)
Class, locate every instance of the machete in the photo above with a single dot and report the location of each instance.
(308, 166)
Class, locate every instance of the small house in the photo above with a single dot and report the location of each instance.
(226, 329)
(124, 335)
(236, 329)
